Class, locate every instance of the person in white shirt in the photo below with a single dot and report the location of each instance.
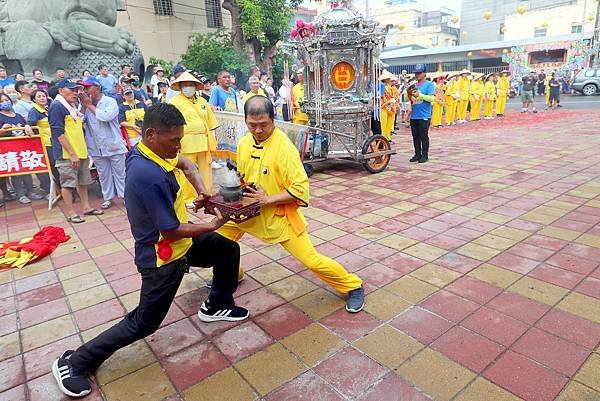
(24, 104)
(178, 69)
(159, 76)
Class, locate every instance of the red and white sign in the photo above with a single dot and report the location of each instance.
(22, 155)
(491, 53)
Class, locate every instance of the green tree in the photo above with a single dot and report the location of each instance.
(213, 52)
(165, 64)
(258, 25)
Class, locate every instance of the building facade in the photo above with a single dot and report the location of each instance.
(165, 28)
(411, 26)
(539, 18)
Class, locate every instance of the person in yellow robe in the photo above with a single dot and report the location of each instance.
(199, 138)
(451, 99)
(503, 86)
(270, 162)
(298, 93)
(464, 87)
(439, 102)
(255, 89)
(389, 104)
(489, 96)
(476, 98)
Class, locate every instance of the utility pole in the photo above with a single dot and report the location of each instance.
(596, 38)
(367, 8)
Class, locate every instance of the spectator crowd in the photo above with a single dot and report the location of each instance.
(88, 124)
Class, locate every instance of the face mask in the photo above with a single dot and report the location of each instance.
(6, 106)
(188, 91)
(13, 96)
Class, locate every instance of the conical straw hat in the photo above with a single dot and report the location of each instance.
(185, 77)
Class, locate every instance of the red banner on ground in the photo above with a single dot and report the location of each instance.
(22, 155)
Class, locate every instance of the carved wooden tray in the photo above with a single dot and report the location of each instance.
(238, 212)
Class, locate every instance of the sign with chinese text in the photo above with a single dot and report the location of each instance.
(22, 155)
(342, 76)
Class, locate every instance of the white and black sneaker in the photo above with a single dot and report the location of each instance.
(209, 314)
(71, 381)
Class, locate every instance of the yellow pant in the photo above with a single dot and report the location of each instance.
(450, 110)
(462, 109)
(501, 104)
(300, 247)
(203, 160)
(436, 114)
(488, 108)
(548, 96)
(387, 123)
(475, 110)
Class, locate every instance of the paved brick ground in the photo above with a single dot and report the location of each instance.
(481, 267)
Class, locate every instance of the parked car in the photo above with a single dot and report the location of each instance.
(587, 81)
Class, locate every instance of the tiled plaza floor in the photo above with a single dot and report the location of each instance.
(481, 268)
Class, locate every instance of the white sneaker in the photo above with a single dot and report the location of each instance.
(24, 200)
(35, 196)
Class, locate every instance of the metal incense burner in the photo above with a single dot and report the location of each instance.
(231, 202)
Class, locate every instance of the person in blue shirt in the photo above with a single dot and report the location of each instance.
(103, 139)
(421, 95)
(4, 79)
(223, 97)
(108, 81)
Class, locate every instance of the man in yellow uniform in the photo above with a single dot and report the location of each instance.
(438, 104)
(298, 93)
(464, 86)
(476, 98)
(389, 104)
(451, 99)
(199, 139)
(270, 161)
(489, 96)
(503, 88)
(255, 89)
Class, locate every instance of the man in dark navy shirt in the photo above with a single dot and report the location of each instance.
(165, 245)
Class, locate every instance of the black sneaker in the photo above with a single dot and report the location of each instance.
(210, 314)
(423, 159)
(415, 159)
(356, 300)
(71, 381)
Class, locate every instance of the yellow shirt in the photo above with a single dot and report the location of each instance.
(274, 165)
(199, 123)
(251, 94)
(74, 134)
(389, 101)
(503, 86)
(451, 90)
(43, 125)
(133, 114)
(298, 92)
(477, 88)
(490, 90)
(464, 85)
